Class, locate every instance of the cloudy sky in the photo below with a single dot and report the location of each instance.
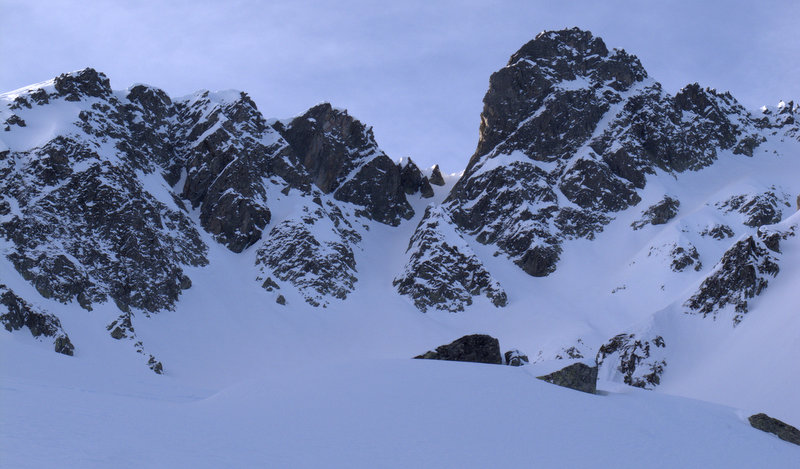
(414, 70)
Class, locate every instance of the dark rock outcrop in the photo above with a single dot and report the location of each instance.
(640, 362)
(442, 271)
(768, 424)
(94, 232)
(515, 358)
(718, 232)
(412, 180)
(86, 83)
(342, 157)
(659, 213)
(91, 223)
(227, 150)
(578, 376)
(757, 209)
(570, 132)
(17, 313)
(319, 269)
(437, 179)
(742, 274)
(684, 257)
(478, 348)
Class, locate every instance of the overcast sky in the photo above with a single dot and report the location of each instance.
(414, 70)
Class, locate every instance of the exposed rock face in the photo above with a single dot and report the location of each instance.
(442, 271)
(342, 157)
(740, 275)
(98, 209)
(478, 348)
(783, 119)
(227, 151)
(639, 361)
(569, 133)
(83, 83)
(578, 376)
(718, 232)
(659, 213)
(539, 112)
(768, 424)
(85, 226)
(319, 268)
(684, 257)
(516, 358)
(17, 313)
(437, 179)
(412, 180)
(757, 209)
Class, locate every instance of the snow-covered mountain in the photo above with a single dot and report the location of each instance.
(249, 261)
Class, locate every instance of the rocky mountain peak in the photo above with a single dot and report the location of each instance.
(570, 73)
(324, 137)
(567, 43)
(152, 101)
(83, 83)
(342, 157)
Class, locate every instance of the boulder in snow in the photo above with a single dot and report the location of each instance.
(578, 376)
(478, 348)
(783, 430)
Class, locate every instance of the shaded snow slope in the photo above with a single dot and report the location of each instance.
(365, 413)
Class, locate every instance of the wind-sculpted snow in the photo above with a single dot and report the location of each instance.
(442, 271)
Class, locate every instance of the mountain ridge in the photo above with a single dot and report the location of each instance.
(597, 214)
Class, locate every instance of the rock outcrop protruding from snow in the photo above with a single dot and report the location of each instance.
(757, 209)
(478, 348)
(436, 177)
(17, 313)
(782, 430)
(314, 253)
(85, 228)
(442, 271)
(658, 213)
(578, 376)
(82, 84)
(412, 180)
(639, 361)
(741, 275)
(96, 188)
(515, 358)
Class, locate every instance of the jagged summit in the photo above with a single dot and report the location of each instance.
(340, 155)
(570, 134)
(600, 218)
(572, 63)
(85, 200)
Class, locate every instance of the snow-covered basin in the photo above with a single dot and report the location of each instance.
(365, 413)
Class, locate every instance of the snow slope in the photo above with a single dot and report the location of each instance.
(364, 413)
